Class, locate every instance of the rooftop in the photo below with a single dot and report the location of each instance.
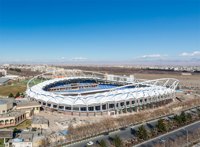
(6, 133)
(6, 100)
(25, 103)
(24, 137)
(4, 80)
(63, 132)
(140, 89)
(12, 114)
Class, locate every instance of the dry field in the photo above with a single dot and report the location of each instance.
(188, 81)
(14, 88)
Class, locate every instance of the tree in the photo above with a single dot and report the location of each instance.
(108, 124)
(183, 117)
(17, 95)
(117, 141)
(11, 95)
(161, 126)
(102, 143)
(1, 142)
(177, 119)
(180, 119)
(198, 112)
(22, 95)
(70, 128)
(71, 132)
(189, 117)
(16, 130)
(142, 133)
(43, 142)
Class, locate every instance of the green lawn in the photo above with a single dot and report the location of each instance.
(24, 125)
(7, 89)
(15, 87)
(36, 81)
(1, 143)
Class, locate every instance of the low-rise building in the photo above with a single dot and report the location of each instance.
(12, 118)
(30, 107)
(28, 139)
(11, 115)
(6, 105)
(3, 72)
(25, 139)
(186, 74)
(12, 77)
(6, 134)
(4, 80)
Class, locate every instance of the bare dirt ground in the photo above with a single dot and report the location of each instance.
(188, 82)
(55, 120)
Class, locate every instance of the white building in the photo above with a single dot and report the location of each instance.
(109, 95)
(24, 140)
(3, 72)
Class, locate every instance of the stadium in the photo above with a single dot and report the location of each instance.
(92, 94)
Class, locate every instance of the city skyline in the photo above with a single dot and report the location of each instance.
(99, 31)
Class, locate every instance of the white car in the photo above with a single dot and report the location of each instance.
(90, 143)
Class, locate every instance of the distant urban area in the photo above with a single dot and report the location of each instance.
(99, 73)
(122, 106)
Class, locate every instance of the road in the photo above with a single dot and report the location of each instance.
(126, 133)
(171, 135)
(122, 133)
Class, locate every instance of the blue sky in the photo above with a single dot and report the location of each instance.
(99, 30)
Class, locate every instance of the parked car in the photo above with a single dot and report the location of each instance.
(90, 143)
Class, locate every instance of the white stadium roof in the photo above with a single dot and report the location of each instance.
(114, 94)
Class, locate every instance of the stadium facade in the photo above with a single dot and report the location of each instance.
(99, 94)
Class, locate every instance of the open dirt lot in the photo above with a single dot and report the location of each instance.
(55, 118)
(192, 81)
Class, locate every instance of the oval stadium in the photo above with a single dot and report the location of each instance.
(101, 94)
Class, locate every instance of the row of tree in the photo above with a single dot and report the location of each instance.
(193, 138)
(116, 141)
(142, 133)
(182, 118)
(15, 69)
(11, 95)
(163, 126)
(109, 124)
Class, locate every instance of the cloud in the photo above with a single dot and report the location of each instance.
(153, 56)
(79, 59)
(191, 54)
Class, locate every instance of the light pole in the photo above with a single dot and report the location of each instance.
(71, 138)
(163, 141)
(186, 135)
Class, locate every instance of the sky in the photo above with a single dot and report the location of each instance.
(99, 30)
